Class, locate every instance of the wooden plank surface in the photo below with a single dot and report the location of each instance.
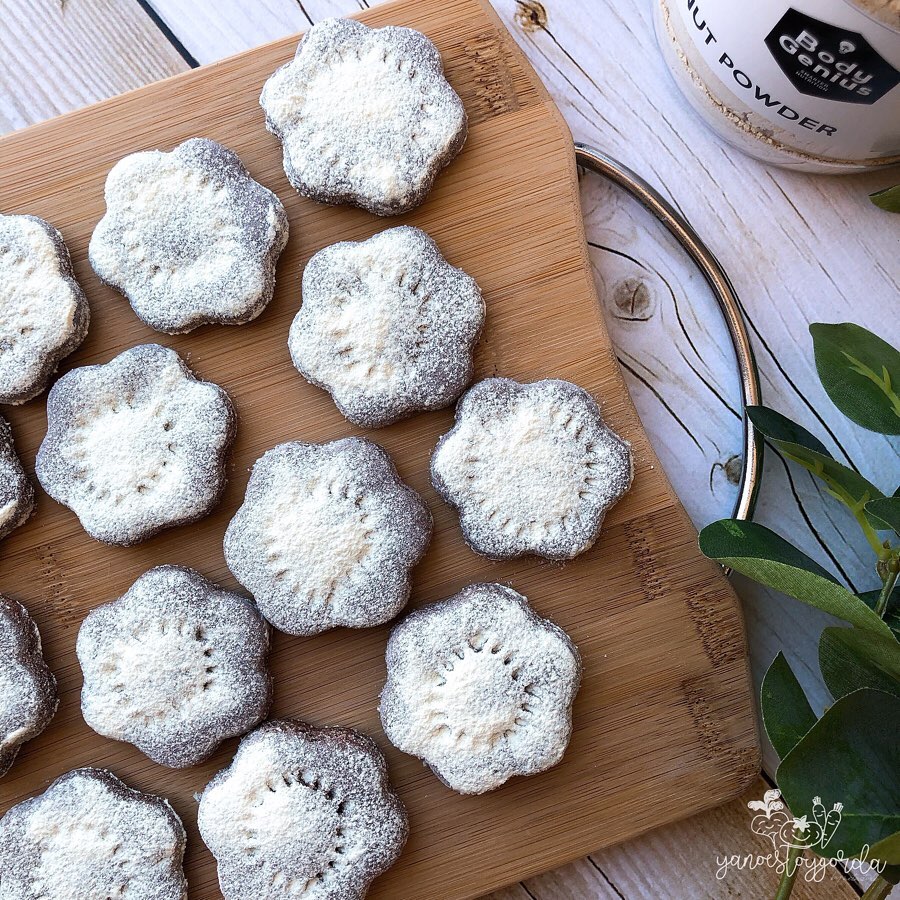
(57, 56)
(664, 725)
(687, 860)
(785, 238)
(658, 312)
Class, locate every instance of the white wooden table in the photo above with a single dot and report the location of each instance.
(799, 249)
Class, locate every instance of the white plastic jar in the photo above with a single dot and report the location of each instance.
(812, 85)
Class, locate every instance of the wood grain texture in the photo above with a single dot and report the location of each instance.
(685, 861)
(58, 56)
(663, 725)
(799, 248)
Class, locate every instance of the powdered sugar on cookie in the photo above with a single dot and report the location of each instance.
(136, 445)
(175, 666)
(481, 688)
(44, 314)
(387, 326)
(302, 812)
(16, 491)
(90, 836)
(327, 535)
(531, 468)
(365, 116)
(189, 237)
(28, 698)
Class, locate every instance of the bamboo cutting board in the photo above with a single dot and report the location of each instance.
(664, 724)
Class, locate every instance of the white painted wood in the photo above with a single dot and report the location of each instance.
(56, 56)
(799, 249)
(210, 31)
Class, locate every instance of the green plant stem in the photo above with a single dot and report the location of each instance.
(885, 595)
(786, 885)
(871, 535)
(878, 889)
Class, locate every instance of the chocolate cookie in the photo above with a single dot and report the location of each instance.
(175, 666)
(16, 492)
(302, 811)
(327, 535)
(90, 837)
(481, 688)
(44, 314)
(531, 468)
(189, 237)
(387, 326)
(28, 698)
(365, 116)
(136, 445)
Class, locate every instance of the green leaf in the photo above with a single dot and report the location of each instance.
(888, 848)
(892, 615)
(779, 427)
(762, 555)
(884, 513)
(860, 373)
(888, 199)
(850, 756)
(798, 445)
(786, 712)
(851, 659)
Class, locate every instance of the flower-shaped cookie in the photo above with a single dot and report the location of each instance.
(44, 314)
(27, 687)
(365, 116)
(16, 492)
(387, 326)
(327, 535)
(481, 688)
(531, 468)
(302, 812)
(189, 237)
(175, 666)
(136, 445)
(88, 837)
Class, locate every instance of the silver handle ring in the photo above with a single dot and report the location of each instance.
(726, 297)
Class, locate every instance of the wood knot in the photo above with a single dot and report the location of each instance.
(633, 300)
(530, 15)
(730, 469)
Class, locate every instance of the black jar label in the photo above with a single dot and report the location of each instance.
(827, 61)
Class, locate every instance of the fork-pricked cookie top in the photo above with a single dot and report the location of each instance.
(365, 116)
(302, 812)
(481, 688)
(89, 836)
(327, 535)
(189, 237)
(387, 326)
(175, 666)
(44, 314)
(16, 490)
(136, 445)
(28, 699)
(531, 468)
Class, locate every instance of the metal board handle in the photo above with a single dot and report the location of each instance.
(594, 160)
